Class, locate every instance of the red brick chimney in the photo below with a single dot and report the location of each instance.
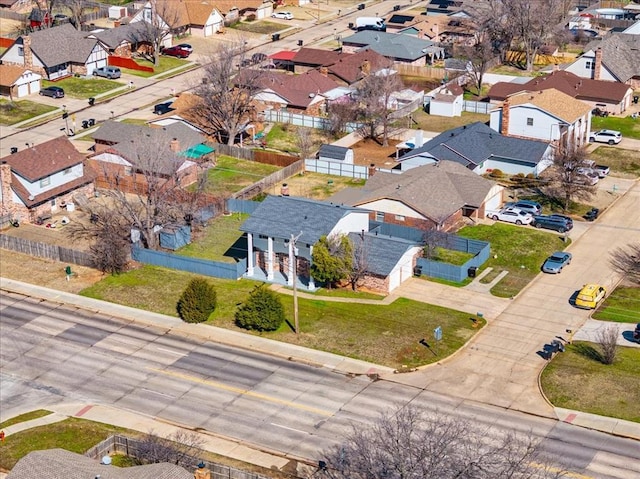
(28, 55)
(372, 169)
(504, 126)
(597, 70)
(366, 68)
(174, 145)
(324, 71)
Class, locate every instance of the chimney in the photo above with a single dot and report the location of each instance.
(419, 137)
(556, 68)
(28, 55)
(324, 71)
(174, 145)
(504, 127)
(5, 186)
(365, 68)
(116, 23)
(597, 69)
(372, 169)
(202, 472)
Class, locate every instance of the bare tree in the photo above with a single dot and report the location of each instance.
(607, 339)
(77, 9)
(160, 19)
(491, 17)
(340, 113)
(304, 142)
(180, 447)
(434, 239)
(568, 181)
(358, 267)
(406, 443)
(226, 96)
(374, 97)
(480, 56)
(626, 260)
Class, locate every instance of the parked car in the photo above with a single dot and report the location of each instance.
(602, 170)
(566, 218)
(590, 296)
(588, 176)
(107, 72)
(532, 207)
(555, 223)
(175, 52)
(511, 215)
(53, 92)
(184, 46)
(258, 57)
(554, 263)
(606, 136)
(282, 15)
(636, 333)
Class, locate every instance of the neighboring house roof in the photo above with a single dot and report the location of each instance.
(30, 201)
(351, 67)
(554, 102)
(472, 144)
(282, 216)
(382, 253)
(620, 54)
(129, 33)
(283, 55)
(44, 159)
(568, 83)
(436, 190)
(62, 463)
(333, 152)
(61, 44)
(448, 93)
(9, 74)
(297, 90)
(400, 20)
(393, 45)
(224, 6)
(316, 57)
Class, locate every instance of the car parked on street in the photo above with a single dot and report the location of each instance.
(554, 223)
(554, 263)
(529, 206)
(107, 72)
(590, 296)
(175, 52)
(636, 333)
(606, 136)
(53, 92)
(282, 15)
(566, 218)
(511, 215)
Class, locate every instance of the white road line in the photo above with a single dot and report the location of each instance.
(289, 428)
(170, 351)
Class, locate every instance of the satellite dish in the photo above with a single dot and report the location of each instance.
(106, 460)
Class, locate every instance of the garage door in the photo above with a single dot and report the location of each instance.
(23, 90)
(97, 64)
(208, 30)
(34, 87)
(494, 202)
(394, 279)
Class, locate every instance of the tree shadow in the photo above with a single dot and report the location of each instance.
(588, 352)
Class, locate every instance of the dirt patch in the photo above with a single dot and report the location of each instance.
(366, 152)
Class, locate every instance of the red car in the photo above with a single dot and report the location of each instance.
(176, 51)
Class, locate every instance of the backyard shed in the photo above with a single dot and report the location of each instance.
(336, 153)
(116, 12)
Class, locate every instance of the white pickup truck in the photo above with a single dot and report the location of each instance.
(602, 170)
(510, 215)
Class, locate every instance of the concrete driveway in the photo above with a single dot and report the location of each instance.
(501, 365)
(589, 332)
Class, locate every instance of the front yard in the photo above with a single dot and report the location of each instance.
(12, 112)
(622, 162)
(621, 306)
(81, 87)
(629, 127)
(166, 63)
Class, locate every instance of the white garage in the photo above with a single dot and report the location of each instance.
(18, 82)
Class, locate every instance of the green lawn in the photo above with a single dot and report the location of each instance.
(386, 335)
(451, 256)
(619, 160)
(284, 137)
(622, 306)
(166, 64)
(628, 126)
(264, 27)
(80, 87)
(232, 174)
(25, 417)
(519, 250)
(440, 123)
(575, 380)
(12, 112)
(220, 241)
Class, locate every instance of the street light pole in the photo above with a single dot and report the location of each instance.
(296, 324)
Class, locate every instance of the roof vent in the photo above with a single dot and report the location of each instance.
(31, 197)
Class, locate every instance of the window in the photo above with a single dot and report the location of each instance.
(590, 65)
(45, 181)
(20, 51)
(529, 121)
(380, 216)
(128, 171)
(399, 218)
(66, 171)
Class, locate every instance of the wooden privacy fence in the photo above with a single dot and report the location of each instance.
(422, 71)
(269, 181)
(44, 250)
(259, 156)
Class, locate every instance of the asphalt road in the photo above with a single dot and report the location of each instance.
(50, 354)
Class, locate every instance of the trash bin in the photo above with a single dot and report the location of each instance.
(351, 25)
(91, 121)
(300, 42)
(396, 8)
(472, 271)
(361, 6)
(635, 99)
(85, 124)
(92, 100)
(275, 37)
(417, 271)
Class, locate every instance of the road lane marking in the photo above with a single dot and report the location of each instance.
(289, 428)
(244, 392)
(170, 351)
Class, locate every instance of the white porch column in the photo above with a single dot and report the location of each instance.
(292, 258)
(270, 258)
(312, 284)
(249, 254)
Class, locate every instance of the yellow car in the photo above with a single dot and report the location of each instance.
(590, 295)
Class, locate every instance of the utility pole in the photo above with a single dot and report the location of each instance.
(294, 239)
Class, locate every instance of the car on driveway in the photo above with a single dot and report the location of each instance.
(184, 46)
(282, 15)
(606, 136)
(175, 52)
(529, 206)
(53, 92)
(511, 215)
(590, 296)
(107, 72)
(554, 263)
(555, 223)
(636, 333)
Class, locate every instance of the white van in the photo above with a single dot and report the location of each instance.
(370, 23)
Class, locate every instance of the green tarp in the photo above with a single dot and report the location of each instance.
(197, 151)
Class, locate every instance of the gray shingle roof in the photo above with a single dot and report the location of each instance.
(131, 32)
(58, 463)
(282, 216)
(333, 152)
(471, 144)
(620, 54)
(391, 45)
(57, 45)
(436, 190)
(382, 252)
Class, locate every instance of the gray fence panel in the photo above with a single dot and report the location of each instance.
(215, 269)
(336, 168)
(44, 250)
(441, 270)
(477, 107)
(235, 205)
(398, 231)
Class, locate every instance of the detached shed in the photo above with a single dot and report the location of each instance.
(117, 13)
(336, 153)
(175, 237)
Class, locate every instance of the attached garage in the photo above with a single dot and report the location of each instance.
(18, 82)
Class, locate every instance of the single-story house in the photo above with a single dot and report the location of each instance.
(432, 197)
(482, 150)
(613, 97)
(397, 47)
(57, 52)
(307, 59)
(33, 188)
(18, 82)
(548, 115)
(125, 39)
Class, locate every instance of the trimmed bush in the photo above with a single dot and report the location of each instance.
(496, 173)
(262, 311)
(197, 301)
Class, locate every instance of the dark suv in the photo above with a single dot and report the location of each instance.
(636, 333)
(555, 223)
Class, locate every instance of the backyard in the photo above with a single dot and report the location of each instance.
(12, 112)
(212, 243)
(232, 174)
